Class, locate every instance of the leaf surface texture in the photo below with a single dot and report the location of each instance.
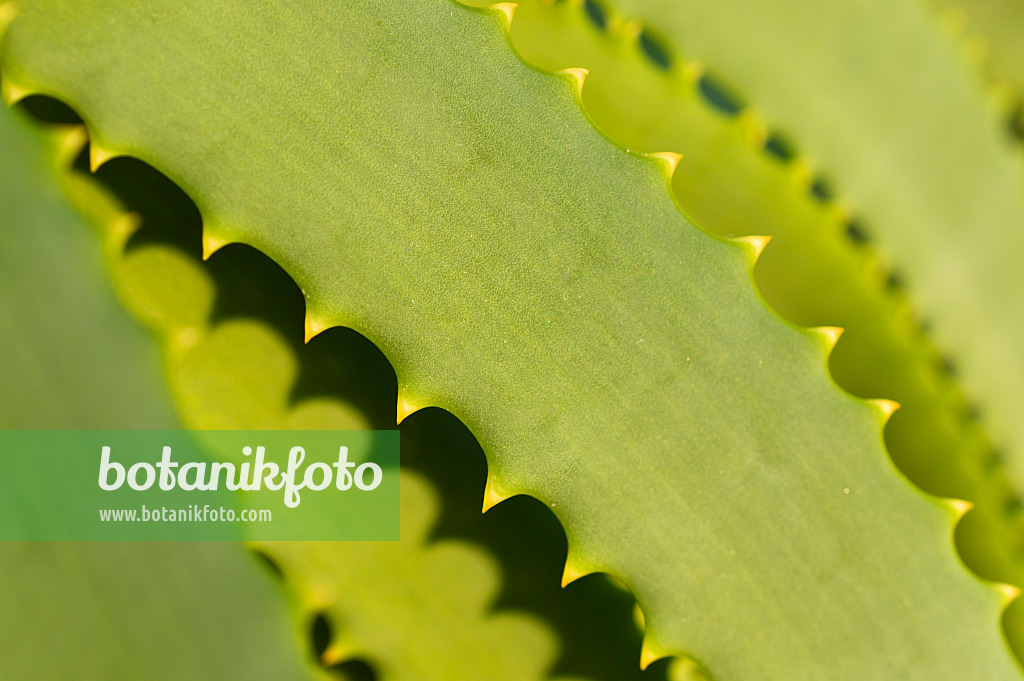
(71, 358)
(427, 189)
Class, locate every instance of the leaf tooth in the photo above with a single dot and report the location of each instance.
(406, 407)
(313, 326)
(669, 158)
(650, 652)
(953, 22)
(687, 669)
(71, 139)
(185, 338)
(121, 227)
(99, 154)
(614, 24)
(976, 49)
(212, 243)
(339, 650)
(1009, 592)
(638, 617)
(508, 9)
(11, 92)
(492, 497)
(840, 211)
(693, 71)
(572, 571)
(579, 76)
(885, 407)
(755, 244)
(958, 507)
(754, 129)
(630, 29)
(831, 334)
(802, 172)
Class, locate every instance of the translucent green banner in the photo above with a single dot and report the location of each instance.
(174, 485)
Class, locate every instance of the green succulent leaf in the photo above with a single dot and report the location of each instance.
(231, 330)
(65, 338)
(412, 611)
(991, 31)
(884, 105)
(425, 188)
(71, 358)
(817, 272)
(417, 612)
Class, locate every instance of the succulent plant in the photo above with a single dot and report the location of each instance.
(551, 223)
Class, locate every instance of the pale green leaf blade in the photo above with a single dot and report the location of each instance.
(71, 358)
(990, 32)
(231, 330)
(53, 287)
(817, 271)
(879, 97)
(453, 205)
(162, 611)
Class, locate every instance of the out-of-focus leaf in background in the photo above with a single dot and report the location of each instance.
(70, 358)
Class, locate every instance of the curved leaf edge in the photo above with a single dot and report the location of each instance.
(990, 539)
(1005, 97)
(115, 226)
(994, 102)
(14, 89)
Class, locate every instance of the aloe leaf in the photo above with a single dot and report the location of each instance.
(71, 358)
(817, 272)
(176, 295)
(231, 330)
(237, 311)
(417, 611)
(516, 269)
(990, 33)
(883, 104)
(116, 611)
(53, 281)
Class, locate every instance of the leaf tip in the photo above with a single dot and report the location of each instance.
(312, 327)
